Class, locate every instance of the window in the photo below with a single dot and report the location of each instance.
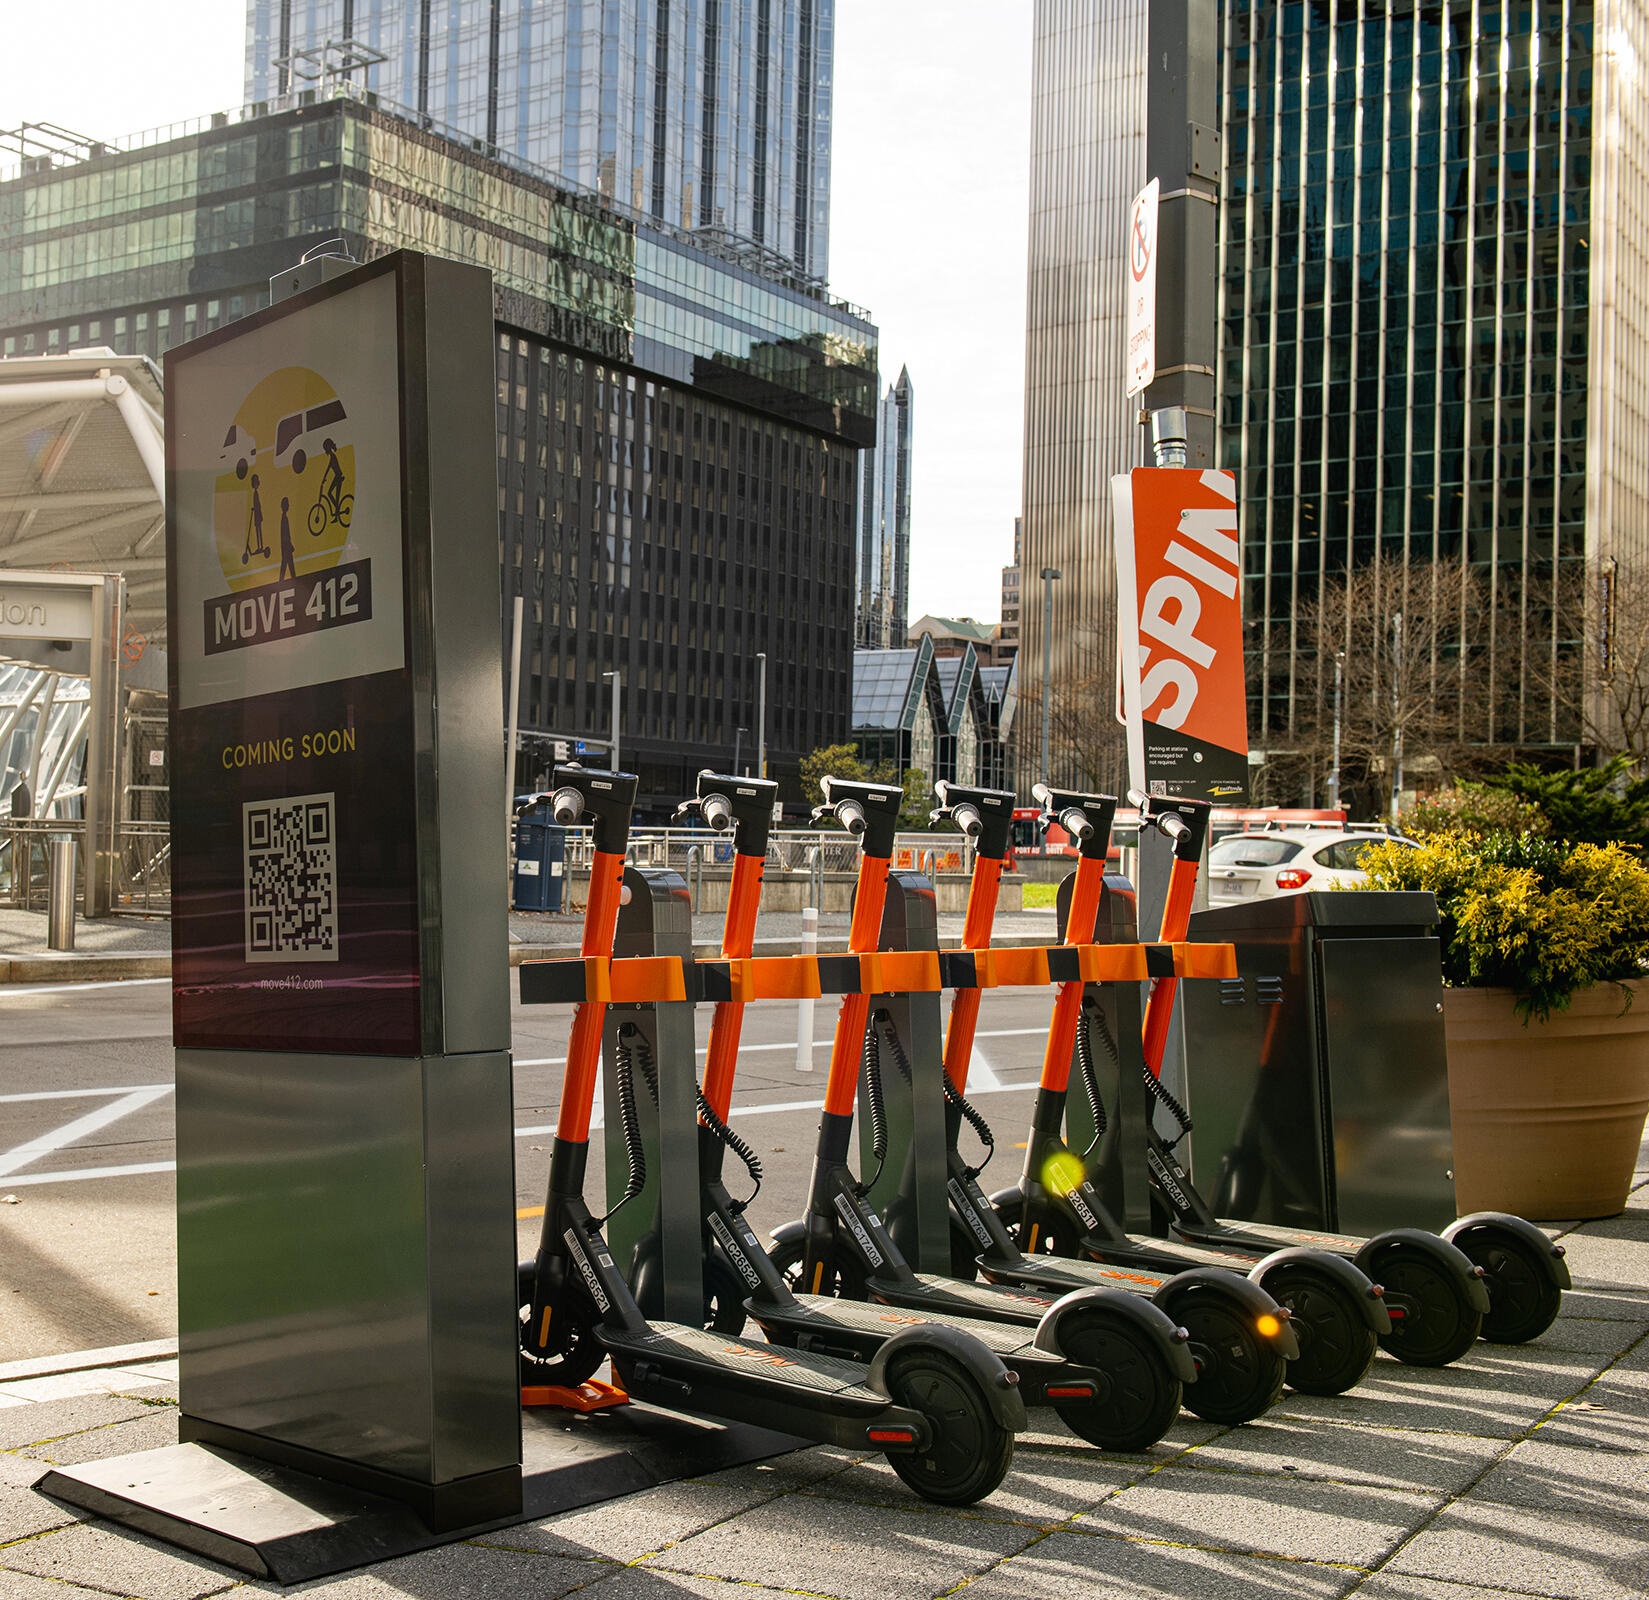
(1252, 850)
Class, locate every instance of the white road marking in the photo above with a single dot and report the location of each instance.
(80, 1094)
(981, 1074)
(82, 1174)
(25, 1154)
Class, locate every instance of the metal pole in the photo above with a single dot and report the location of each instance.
(804, 1008)
(738, 748)
(1048, 576)
(618, 680)
(60, 895)
(1334, 776)
(761, 714)
(514, 731)
(1396, 714)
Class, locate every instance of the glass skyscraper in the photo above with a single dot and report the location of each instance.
(883, 553)
(1434, 261)
(711, 115)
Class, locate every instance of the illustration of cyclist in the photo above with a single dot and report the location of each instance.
(254, 526)
(331, 504)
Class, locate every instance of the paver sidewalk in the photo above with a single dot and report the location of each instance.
(1518, 1470)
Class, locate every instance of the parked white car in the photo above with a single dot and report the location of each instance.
(1245, 866)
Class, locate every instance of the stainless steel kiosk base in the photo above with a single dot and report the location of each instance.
(275, 1521)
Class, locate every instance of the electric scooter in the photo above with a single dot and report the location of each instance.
(1112, 1367)
(1488, 1274)
(936, 1402)
(1336, 1313)
(1239, 1337)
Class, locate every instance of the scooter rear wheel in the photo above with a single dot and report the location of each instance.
(574, 1352)
(1240, 1375)
(1439, 1324)
(1523, 1300)
(1142, 1396)
(970, 1452)
(1337, 1345)
(724, 1295)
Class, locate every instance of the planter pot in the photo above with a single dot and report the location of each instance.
(1547, 1118)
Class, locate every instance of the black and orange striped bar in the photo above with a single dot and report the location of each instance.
(632, 979)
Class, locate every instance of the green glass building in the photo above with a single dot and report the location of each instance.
(678, 434)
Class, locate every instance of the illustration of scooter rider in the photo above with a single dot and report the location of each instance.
(289, 556)
(254, 527)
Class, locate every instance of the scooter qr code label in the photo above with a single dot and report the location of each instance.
(291, 870)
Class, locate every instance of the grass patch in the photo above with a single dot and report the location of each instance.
(1040, 894)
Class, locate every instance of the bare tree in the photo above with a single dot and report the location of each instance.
(1413, 642)
(1596, 674)
(1089, 746)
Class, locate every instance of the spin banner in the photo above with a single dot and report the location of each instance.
(1179, 633)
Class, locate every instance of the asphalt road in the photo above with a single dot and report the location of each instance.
(87, 1244)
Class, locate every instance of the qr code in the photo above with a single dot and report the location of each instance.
(291, 878)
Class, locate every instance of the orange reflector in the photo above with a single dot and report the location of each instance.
(1269, 1326)
(890, 1436)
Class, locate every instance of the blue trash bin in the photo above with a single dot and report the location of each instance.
(540, 861)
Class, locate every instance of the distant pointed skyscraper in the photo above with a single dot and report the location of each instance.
(884, 523)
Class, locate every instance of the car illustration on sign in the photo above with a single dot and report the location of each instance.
(239, 450)
(300, 435)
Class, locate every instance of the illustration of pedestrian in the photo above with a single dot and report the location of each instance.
(289, 561)
(254, 526)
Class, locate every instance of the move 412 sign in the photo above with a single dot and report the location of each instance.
(1179, 633)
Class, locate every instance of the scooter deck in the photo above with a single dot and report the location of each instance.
(994, 1302)
(1266, 1237)
(883, 1321)
(1059, 1274)
(728, 1356)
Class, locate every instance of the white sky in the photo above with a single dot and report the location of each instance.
(928, 213)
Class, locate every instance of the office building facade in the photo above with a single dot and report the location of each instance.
(1008, 636)
(678, 437)
(883, 556)
(1433, 346)
(710, 115)
(1087, 163)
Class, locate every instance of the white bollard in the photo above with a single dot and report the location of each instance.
(804, 1008)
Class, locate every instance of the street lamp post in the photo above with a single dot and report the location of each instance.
(617, 678)
(1334, 776)
(761, 713)
(1049, 574)
(738, 749)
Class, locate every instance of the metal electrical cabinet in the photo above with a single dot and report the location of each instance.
(1318, 1078)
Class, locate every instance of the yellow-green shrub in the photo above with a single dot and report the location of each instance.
(1521, 912)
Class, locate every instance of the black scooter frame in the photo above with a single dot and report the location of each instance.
(955, 1448)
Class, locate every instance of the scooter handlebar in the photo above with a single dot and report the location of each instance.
(984, 815)
(869, 810)
(740, 806)
(1086, 817)
(605, 799)
(1185, 822)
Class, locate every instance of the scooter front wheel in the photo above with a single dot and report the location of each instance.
(1240, 1374)
(1433, 1321)
(573, 1352)
(842, 1276)
(1141, 1396)
(1523, 1299)
(1337, 1345)
(970, 1452)
(1053, 1234)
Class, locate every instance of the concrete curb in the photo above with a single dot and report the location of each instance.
(116, 1355)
